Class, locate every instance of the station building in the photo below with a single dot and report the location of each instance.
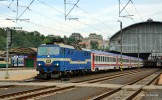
(23, 57)
(144, 38)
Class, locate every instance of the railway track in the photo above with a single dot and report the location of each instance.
(80, 79)
(123, 93)
(6, 86)
(101, 79)
(30, 94)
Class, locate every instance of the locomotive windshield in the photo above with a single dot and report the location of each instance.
(48, 50)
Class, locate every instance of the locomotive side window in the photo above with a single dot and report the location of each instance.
(71, 52)
(68, 52)
(62, 51)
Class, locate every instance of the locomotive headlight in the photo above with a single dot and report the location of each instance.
(48, 56)
(39, 64)
(57, 64)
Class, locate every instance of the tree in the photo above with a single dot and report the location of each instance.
(94, 45)
(47, 40)
(71, 41)
(22, 39)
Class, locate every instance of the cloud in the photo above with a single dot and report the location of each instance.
(101, 18)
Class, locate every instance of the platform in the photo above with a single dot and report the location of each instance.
(160, 80)
(18, 75)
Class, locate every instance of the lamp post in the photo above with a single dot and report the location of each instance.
(121, 65)
(7, 47)
(138, 50)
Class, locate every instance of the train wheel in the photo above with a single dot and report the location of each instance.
(42, 75)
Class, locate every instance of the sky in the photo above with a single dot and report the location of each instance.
(93, 16)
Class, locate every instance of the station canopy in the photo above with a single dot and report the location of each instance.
(23, 51)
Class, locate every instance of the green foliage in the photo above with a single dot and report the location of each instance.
(47, 40)
(22, 39)
(94, 45)
(72, 41)
(2, 39)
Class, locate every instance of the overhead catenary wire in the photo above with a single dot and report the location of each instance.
(124, 8)
(95, 18)
(25, 9)
(8, 7)
(38, 25)
(63, 14)
(137, 10)
(50, 6)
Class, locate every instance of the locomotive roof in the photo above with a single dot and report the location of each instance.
(60, 45)
(85, 49)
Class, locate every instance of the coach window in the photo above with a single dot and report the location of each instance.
(96, 58)
(114, 59)
(119, 60)
(103, 59)
(111, 59)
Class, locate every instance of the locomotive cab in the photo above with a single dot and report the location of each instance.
(46, 60)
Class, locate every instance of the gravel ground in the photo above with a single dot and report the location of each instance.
(147, 79)
(153, 95)
(80, 93)
(120, 95)
(126, 79)
(17, 89)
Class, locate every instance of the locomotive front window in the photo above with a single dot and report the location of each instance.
(48, 50)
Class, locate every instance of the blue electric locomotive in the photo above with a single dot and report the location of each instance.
(58, 59)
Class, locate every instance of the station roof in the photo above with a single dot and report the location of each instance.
(23, 50)
(2, 52)
(144, 22)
